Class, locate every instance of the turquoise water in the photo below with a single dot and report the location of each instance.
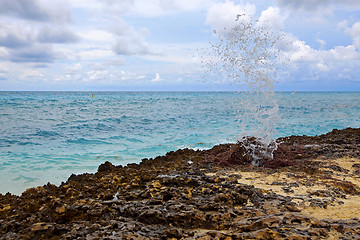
(47, 136)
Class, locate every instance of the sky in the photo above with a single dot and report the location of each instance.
(158, 45)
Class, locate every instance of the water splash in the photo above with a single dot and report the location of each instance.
(248, 55)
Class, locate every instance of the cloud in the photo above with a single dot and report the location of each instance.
(128, 41)
(222, 16)
(319, 12)
(97, 75)
(32, 75)
(156, 8)
(29, 9)
(131, 45)
(322, 43)
(56, 34)
(272, 18)
(12, 37)
(94, 53)
(157, 78)
(34, 10)
(354, 31)
(29, 28)
(322, 67)
(3, 73)
(332, 64)
(343, 54)
(22, 43)
(11, 40)
(40, 65)
(116, 62)
(95, 35)
(314, 5)
(36, 53)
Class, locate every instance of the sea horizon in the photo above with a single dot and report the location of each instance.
(230, 91)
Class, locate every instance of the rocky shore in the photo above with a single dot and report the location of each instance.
(310, 189)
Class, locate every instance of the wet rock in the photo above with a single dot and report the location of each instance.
(337, 168)
(61, 209)
(107, 166)
(39, 226)
(356, 165)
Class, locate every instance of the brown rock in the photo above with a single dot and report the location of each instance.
(105, 167)
(61, 209)
(39, 227)
(266, 233)
(5, 208)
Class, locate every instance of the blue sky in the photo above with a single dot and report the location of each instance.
(157, 44)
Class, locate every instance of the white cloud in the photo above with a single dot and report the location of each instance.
(301, 52)
(157, 78)
(156, 8)
(93, 54)
(222, 16)
(322, 67)
(96, 35)
(343, 25)
(329, 64)
(176, 53)
(97, 75)
(354, 31)
(322, 43)
(32, 75)
(272, 18)
(116, 62)
(73, 68)
(129, 41)
(343, 54)
(3, 69)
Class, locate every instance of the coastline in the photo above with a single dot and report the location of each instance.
(309, 190)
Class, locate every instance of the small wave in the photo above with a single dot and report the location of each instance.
(134, 140)
(7, 143)
(25, 179)
(103, 127)
(146, 121)
(29, 143)
(85, 141)
(43, 133)
(117, 137)
(116, 120)
(81, 126)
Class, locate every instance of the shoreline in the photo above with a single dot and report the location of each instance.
(310, 189)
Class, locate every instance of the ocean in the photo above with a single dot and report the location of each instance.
(47, 136)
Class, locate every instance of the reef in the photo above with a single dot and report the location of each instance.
(308, 190)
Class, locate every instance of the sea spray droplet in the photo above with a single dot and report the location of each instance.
(248, 55)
